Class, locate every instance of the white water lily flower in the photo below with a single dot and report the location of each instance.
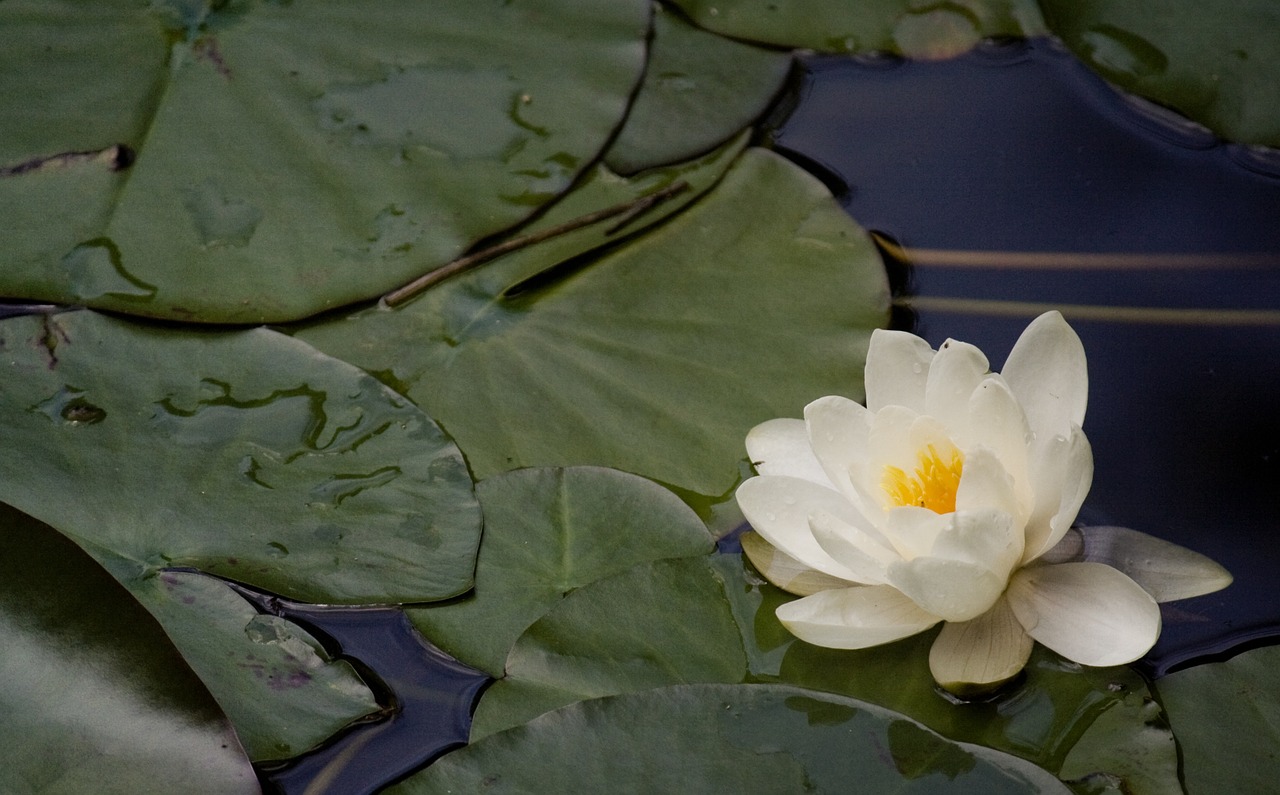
(936, 503)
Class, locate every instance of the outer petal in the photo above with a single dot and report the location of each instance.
(785, 571)
(1062, 475)
(781, 447)
(952, 589)
(972, 657)
(1048, 374)
(779, 507)
(1087, 612)
(998, 422)
(897, 370)
(986, 537)
(838, 431)
(858, 551)
(1163, 569)
(854, 618)
(957, 370)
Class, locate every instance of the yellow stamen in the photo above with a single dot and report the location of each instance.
(933, 485)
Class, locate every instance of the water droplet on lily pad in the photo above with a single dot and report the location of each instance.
(95, 269)
(218, 219)
(69, 406)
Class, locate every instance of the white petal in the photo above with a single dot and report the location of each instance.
(969, 658)
(854, 618)
(781, 447)
(955, 590)
(985, 537)
(897, 370)
(997, 421)
(1062, 476)
(778, 508)
(956, 371)
(888, 444)
(1163, 569)
(785, 571)
(863, 554)
(1087, 612)
(1048, 374)
(913, 530)
(838, 431)
(984, 483)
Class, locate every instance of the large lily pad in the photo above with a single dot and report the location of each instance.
(1227, 719)
(299, 156)
(655, 358)
(94, 697)
(698, 90)
(702, 620)
(928, 30)
(724, 738)
(282, 691)
(246, 454)
(1215, 62)
(547, 532)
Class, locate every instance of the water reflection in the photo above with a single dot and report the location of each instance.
(1017, 148)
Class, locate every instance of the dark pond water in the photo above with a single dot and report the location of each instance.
(970, 164)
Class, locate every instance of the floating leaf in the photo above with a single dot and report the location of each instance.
(1128, 748)
(698, 90)
(547, 532)
(1227, 720)
(725, 738)
(1217, 63)
(655, 358)
(293, 157)
(94, 697)
(927, 30)
(280, 688)
(246, 454)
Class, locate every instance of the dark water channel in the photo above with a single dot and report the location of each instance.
(1007, 182)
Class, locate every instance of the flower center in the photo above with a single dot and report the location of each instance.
(933, 484)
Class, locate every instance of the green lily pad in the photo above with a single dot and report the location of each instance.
(246, 454)
(699, 90)
(917, 29)
(707, 620)
(1215, 62)
(725, 738)
(655, 358)
(94, 697)
(1227, 719)
(299, 156)
(547, 532)
(282, 691)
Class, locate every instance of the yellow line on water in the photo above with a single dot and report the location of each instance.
(1149, 315)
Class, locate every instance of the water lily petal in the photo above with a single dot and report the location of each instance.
(985, 483)
(912, 531)
(1048, 374)
(785, 571)
(1087, 612)
(862, 553)
(778, 508)
(969, 658)
(1165, 570)
(956, 590)
(985, 537)
(897, 370)
(956, 371)
(998, 422)
(837, 432)
(781, 447)
(1063, 473)
(854, 618)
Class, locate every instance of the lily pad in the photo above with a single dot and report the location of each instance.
(1215, 62)
(699, 90)
(1227, 719)
(246, 454)
(655, 358)
(94, 697)
(282, 691)
(548, 532)
(926, 30)
(299, 156)
(725, 738)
